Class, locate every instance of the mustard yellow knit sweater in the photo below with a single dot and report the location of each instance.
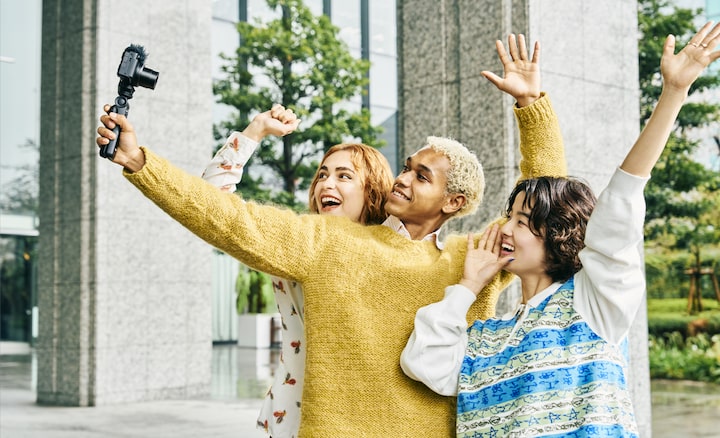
(363, 285)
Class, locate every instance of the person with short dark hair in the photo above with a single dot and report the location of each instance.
(557, 365)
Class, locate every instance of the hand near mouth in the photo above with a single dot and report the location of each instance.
(483, 262)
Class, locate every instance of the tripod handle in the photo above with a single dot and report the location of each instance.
(121, 107)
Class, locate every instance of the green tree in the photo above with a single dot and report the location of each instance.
(682, 200)
(299, 61)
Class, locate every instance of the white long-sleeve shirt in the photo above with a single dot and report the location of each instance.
(609, 290)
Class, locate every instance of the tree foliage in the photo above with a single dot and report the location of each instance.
(682, 196)
(299, 61)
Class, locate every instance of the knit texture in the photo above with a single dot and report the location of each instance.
(363, 286)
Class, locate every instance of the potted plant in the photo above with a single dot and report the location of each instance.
(256, 308)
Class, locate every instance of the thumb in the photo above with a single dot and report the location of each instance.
(122, 122)
(492, 77)
(669, 46)
(504, 261)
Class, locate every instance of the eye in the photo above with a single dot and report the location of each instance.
(322, 175)
(405, 169)
(345, 176)
(421, 177)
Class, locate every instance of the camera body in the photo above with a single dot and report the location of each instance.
(132, 70)
(132, 73)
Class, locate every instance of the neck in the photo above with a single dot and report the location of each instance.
(533, 285)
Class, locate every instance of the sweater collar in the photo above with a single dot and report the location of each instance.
(399, 227)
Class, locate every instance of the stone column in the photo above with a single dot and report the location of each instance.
(124, 291)
(589, 69)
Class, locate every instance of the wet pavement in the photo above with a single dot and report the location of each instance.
(240, 378)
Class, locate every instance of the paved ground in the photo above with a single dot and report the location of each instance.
(21, 417)
(681, 409)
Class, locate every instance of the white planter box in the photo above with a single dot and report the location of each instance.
(255, 330)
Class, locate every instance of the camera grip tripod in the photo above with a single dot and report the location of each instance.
(121, 107)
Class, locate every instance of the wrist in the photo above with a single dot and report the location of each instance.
(523, 101)
(254, 131)
(135, 161)
(473, 286)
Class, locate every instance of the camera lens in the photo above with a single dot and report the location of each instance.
(146, 77)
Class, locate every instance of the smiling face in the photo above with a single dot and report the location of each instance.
(520, 242)
(339, 188)
(419, 197)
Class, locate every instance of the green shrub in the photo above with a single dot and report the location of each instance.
(676, 357)
(254, 292)
(670, 315)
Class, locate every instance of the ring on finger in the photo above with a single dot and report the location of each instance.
(693, 44)
(703, 45)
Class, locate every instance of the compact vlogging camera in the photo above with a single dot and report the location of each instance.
(132, 73)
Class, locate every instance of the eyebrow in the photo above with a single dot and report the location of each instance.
(424, 168)
(338, 169)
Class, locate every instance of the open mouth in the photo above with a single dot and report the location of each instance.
(329, 201)
(507, 248)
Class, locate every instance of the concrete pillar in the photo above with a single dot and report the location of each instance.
(589, 68)
(124, 292)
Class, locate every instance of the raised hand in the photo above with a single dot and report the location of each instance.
(680, 70)
(278, 121)
(483, 262)
(128, 154)
(521, 74)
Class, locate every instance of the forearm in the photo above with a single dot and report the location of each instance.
(225, 170)
(253, 234)
(542, 152)
(434, 353)
(651, 142)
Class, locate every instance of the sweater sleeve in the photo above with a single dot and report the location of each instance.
(542, 154)
(268, 239)
(542, 151)
(610, 287)
(435, 350)
(225, 170)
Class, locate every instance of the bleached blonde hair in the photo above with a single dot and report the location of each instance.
(465, 175)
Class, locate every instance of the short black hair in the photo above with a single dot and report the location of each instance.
(560, 208)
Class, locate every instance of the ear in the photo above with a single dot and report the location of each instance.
(453, 203)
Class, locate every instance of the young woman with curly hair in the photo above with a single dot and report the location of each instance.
(353, 180)
(557, 365)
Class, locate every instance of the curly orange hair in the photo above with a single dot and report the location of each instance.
(375, 173)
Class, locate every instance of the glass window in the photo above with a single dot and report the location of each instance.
(225, 10)
(382, 27)
(383, 81)
(346, 16)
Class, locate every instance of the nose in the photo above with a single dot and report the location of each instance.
(506, 228)
(328, 182)
(403, 179)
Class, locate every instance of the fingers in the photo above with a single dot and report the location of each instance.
(489, 240)
(523, 48)
(536, 52)
(285, 115)
(699, 39)
(502, 53)
(518, 48)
